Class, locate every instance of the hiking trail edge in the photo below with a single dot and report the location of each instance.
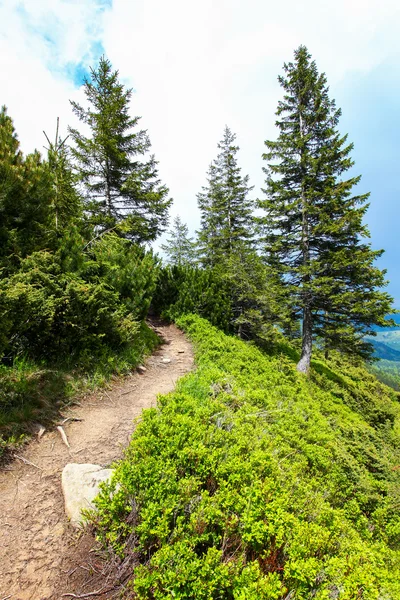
(35, 536)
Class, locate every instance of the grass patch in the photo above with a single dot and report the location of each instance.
(252, 482)
(32, 392)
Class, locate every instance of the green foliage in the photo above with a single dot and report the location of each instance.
(67, 204)
(32, 391)
(186, 289)
(179, 248)
(251, 482)
(227, 239)
(25, 198)
(29, 392)
(252, 289)
(128, 269)
(237, 296)
(71, 308)
(47, 311)
(314, 233)
(226, 211)
(123, 192)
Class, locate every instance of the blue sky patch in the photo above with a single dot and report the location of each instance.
(96, 51)
(104, 4)
(52, 32)
(77, 73)
(370, 116)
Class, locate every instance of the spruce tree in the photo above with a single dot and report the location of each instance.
(122, 188)
(179, 248)
(66, 204)
(226, 210)
(315, 238)
(25, 198)
(256, 312)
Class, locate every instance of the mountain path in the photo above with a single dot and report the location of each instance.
(35, 536)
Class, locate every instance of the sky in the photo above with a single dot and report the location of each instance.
(198, 66)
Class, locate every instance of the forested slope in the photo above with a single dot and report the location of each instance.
(251, 481)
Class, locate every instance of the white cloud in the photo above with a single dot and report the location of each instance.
(39, 42)
(195, 66)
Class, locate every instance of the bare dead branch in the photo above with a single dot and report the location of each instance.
(27, 462)
(70, 419)
(63, 436)
(97, 593)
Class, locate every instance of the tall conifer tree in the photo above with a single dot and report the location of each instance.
(226, 210)
(121, 187)
(66, 204)
(227, 241)
(25, 198)
(179, 247)
(315, 238)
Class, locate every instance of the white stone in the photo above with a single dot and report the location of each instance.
(80, 485)
(166, 360)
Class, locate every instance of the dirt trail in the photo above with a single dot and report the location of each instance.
(35, 537)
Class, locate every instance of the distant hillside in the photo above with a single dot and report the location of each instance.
(387, 341)
(387, 371)
(384, 351)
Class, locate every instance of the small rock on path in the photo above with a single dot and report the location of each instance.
(35, 535)
(80, 484)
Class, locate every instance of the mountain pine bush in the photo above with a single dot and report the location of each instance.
(48, 311)
(185, 289)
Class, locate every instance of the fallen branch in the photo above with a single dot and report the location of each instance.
(102, 591)
(95, 238)
(70, 419)
(129, 391)
(63, 436)
(109, 397)
(27, 462)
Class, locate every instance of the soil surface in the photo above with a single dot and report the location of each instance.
(42, 557)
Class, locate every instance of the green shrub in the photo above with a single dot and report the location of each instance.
(29, 393)
(72, 315)
(185, 289)
(48, 311)
(127, 269)
(238, 296)
(45, 312)
(251, 481)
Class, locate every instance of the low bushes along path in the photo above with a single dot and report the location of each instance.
(37, 545)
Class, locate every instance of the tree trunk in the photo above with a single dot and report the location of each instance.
(108, 191)
(303, 366)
